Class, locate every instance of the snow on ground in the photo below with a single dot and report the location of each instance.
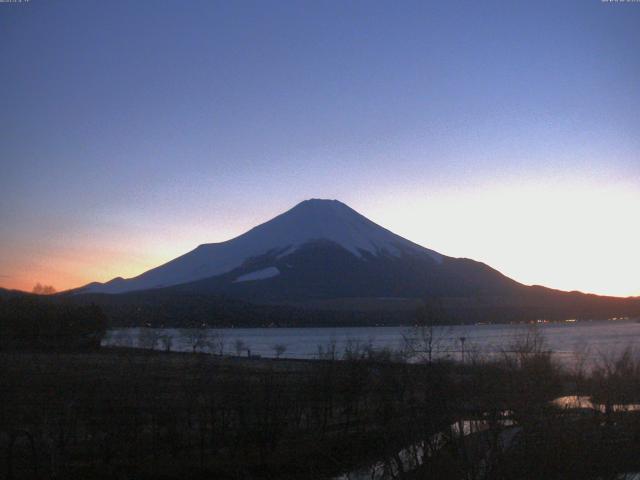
(258, 275)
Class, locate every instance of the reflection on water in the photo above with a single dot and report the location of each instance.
(585, 403)
(413, 456)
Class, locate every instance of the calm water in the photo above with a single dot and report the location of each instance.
(566, 340)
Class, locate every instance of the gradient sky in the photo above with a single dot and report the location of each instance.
(507, 132)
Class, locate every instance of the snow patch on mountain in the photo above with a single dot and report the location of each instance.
(258, 275)
(308, 221)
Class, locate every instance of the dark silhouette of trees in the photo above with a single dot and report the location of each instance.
(167, 342)
(425, 338)
(279, 349)
(149, 338)
(118, 413)
(239, 346)
(31, 322)
(40, 289)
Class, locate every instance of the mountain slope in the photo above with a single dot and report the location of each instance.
(322, 263)
(323, 269)
(309, 221)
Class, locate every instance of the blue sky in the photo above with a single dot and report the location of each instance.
(133, 131)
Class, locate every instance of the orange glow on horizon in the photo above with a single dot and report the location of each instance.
(579, 237)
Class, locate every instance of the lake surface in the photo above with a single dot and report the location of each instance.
(568, 341)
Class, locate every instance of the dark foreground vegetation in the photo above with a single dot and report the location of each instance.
(30, 322)
(147, 414)
(69, 409)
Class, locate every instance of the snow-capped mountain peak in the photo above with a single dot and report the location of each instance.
(310, 220)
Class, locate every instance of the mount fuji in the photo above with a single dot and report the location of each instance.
(319, 248)
(322, 263)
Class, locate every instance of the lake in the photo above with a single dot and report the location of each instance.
(567, 340)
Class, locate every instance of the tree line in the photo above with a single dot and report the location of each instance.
(33, 322)
(151, 414)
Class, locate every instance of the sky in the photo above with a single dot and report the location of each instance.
(506, 132)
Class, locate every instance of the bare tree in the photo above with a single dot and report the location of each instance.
(167, 342)
(148, 338)
(239, 346)
(354, 349)
(532, 372)
(40, 289)
(425, 338)
(215, 342)
(196, 338)
(327, 352)
(527, 347)
(201, 339)
(279, 349)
